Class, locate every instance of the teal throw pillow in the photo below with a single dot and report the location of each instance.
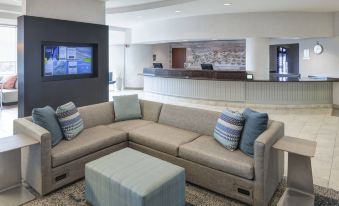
(46, 118)
(126, 107)
(255, 125)
(228, 129)
(70, 120)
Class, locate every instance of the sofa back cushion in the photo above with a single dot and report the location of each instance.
(196, 120)
(150, 110)
(97, 114)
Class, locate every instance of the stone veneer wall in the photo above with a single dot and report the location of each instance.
(222, 54)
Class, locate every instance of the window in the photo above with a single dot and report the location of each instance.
(282, 63)
(8, 49)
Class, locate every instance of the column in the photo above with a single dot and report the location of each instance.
(257, 57)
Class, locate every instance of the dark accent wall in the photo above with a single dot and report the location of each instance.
(33, 90)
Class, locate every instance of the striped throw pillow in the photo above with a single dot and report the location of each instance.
(70, 120)
(228, 129)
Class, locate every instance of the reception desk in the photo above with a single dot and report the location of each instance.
(232, 86)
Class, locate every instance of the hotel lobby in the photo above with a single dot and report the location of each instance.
(165, 102)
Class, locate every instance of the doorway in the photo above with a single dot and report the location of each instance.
(178, 57)
(284, 59)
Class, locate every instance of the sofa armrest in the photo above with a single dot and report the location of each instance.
(24, 126)
(36, 159)
(268, 163)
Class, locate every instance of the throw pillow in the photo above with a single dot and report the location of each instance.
(126, 107)
(70, 120)
(9, 82)
(46, 118)
(228, 129)
(255, 124)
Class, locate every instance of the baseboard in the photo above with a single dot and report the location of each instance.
(133, 88)
(9, 103)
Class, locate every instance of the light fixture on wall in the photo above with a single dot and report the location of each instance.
(318, 48)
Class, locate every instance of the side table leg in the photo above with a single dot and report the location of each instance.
(299, 176)
(12, 193)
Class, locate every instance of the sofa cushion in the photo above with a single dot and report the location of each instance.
(150, 110)
(9, 95)
(70, 120)
(46, 118)
(162, 137)
(129, 125)
(9, 82)
(97, 114)
(197, 120)
(126, 107)
(255, 125)
(88, 141)
(228, 129)
(206, 151)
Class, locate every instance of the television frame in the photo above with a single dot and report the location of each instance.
(95, 69)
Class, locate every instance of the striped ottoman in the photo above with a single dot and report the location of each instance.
(132, 178)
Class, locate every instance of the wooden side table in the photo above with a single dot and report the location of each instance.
(300, 190)
(12, 192)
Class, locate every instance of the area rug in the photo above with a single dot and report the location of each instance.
(74, 195)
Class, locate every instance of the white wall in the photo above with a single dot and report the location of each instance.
(229, 26)
(137, 58)
(91, 11)
(117, 37)
(163, 54)
(326, 64)
(116, 60)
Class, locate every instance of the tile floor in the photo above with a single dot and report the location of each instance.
(315, 124)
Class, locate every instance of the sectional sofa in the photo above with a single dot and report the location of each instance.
(180, 135)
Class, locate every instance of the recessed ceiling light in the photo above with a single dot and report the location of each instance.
(227, 4)
(140, 16)
(177, 11)
(185, 40)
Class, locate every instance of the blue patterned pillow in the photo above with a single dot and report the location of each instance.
(228, 129)
(70, 120)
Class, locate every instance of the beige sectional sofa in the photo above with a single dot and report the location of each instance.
(179, 135)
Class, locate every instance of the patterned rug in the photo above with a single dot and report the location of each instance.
(73, 195)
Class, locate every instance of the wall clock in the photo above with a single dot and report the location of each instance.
(318, 49)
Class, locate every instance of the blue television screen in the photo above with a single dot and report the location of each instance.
(67, 60)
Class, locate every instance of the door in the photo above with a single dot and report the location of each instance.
(178, 57)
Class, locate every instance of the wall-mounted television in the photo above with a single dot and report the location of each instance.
(68, 60)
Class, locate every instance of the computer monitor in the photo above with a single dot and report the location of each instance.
(158, 65)
(206, 66)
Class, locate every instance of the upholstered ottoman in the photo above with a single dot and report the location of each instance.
(132, 178)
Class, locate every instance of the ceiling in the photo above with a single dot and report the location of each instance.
(127, 13)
